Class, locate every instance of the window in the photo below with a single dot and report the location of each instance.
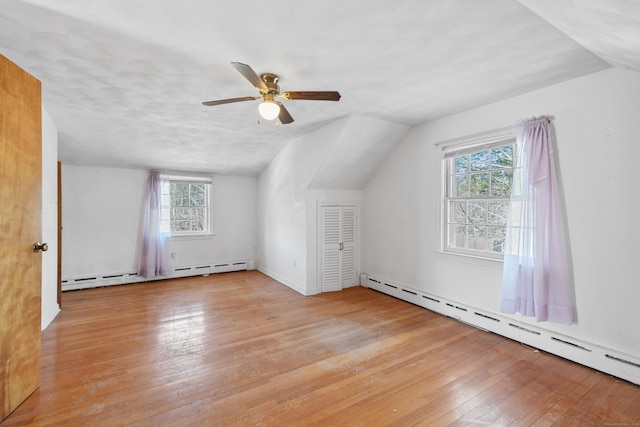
(477, 187)
(185, 203)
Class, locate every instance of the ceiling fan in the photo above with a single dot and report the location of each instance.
(267, 85)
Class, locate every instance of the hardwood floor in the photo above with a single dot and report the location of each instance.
(240, 349)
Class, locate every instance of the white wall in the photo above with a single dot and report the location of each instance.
(101, 214)
(102, 210)
(282, 206)
(596, 126)
(328, 165)
(50, 306)
(233, 200)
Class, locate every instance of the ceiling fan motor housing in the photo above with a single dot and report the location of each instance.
(271, 82)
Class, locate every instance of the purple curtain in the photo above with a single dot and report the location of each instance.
(536, 279)
(155, 249)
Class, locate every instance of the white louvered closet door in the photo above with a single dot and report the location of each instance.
(339, 257)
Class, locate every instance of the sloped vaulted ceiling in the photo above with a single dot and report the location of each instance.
(357, 151)
(124, 79)
(610, 29)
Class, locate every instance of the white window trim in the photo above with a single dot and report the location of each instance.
(187, 177)
(478, 139)
(194, 178)
(462, 145)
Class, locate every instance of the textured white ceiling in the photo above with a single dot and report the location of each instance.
(124, 79)
(610, 29)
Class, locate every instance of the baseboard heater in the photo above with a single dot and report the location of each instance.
(96, 281)
(603, 359)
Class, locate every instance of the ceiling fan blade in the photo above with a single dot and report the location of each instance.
(284, 116)
(250, 75)
(230, 100)
(313, 95)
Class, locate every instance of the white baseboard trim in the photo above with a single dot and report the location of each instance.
(603, 359)
(282, 280)
(96, 281)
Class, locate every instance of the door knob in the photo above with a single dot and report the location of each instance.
(37, 246)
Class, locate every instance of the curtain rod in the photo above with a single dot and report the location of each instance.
(490, 134)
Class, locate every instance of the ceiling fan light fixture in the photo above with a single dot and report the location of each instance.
(269, 110)
(267, 85)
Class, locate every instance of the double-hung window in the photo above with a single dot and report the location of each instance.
(186, 205)
(478, 177)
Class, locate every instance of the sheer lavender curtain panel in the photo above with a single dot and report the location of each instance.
(536, 279)
(154, 257)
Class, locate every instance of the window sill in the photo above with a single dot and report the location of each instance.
(194, 237)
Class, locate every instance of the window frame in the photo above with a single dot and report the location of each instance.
(461, 146)
(166, 203)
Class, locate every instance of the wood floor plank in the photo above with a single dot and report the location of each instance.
(240, 349)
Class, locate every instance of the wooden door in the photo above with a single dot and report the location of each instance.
(338, 247)
(59, 235)
(20, 225)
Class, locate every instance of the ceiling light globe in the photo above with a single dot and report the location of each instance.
(269, 110)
